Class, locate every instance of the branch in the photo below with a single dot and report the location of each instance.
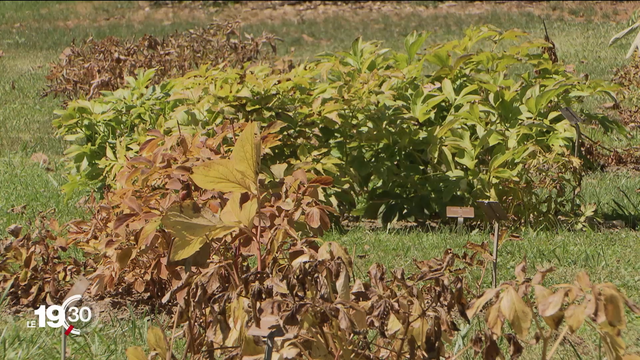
(555, 346)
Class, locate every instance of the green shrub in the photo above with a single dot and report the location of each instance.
(404, 134)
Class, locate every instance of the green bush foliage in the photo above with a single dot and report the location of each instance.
(404, 134)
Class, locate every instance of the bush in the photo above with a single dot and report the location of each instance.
(628, 78)
(94, 66)
(198, 228)
(403, 134)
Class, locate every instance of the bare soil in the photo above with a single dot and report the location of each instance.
(277, 11)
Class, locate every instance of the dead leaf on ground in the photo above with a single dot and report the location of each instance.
(18, 209)
(14, 230)
(40, 158)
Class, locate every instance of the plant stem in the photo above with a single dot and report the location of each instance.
(555, 346)
(545, 339)
(173, 333)
(461, 352)
(259, 226)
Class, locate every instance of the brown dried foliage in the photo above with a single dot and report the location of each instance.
(298, 291)
(628, 77)
(603, 159)
(36, 267)
(96, 66)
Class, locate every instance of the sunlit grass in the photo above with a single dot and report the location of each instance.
(34, 34)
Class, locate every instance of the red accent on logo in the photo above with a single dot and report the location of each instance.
(69, 330)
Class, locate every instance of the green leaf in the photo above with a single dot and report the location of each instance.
(447, 89)
(412, 44)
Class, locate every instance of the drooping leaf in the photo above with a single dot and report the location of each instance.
(235, 215)
(613, 307)
(478, 303)
(515, 348)
(342, 285)
(552, 304)
(634, 46)
(623, 33)
(331, 250)
(494, 319)
(575, 316)
(516, 311)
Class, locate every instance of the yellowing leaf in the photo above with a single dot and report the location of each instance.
(554, 320)
(278, 170)
(614, 346)
(222, 175)
(123, 256)
(250, 348)
(583, 280)
(246, 152)
(237, 317)
(136, 353)
(157, 341)
(234, 215)
(516, 311)
(240, 173)
(191, 228)
(394, 325)
(542, 294)
(248, 212)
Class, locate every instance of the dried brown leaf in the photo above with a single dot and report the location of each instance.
(14, 230)
(516, 311)
(552, 303)
(575, 316)
(477, 304)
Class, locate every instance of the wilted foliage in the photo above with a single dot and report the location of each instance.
(402, 143)
(94, 66)
(628, 77)
(203, 225)
(37, 268)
